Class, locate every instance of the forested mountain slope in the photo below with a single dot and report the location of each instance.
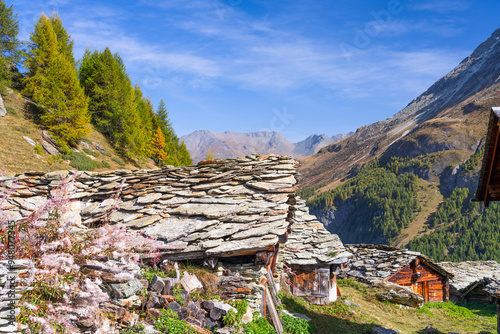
(435, 142)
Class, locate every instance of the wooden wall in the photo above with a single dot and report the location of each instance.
(424, 280)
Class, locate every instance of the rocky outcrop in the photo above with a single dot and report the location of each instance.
(398, 294)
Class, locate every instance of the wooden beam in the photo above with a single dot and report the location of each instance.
(273, 313)
(492, 166)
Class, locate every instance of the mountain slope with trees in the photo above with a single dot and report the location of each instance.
(69, 98)
(438, 139)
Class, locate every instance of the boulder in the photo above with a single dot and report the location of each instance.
(125, 290)
(157, 284)
(382, 330)
(3, 111)
(398, 294)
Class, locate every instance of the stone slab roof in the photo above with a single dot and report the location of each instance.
(468, 273)
(309, 242)
(376, 263)
(217, 208)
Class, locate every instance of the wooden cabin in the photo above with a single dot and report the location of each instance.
(380, 263)
(424, 279)
(489, 177)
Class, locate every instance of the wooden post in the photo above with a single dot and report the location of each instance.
(273, 313)
(498, 314)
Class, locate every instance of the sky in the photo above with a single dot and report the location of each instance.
(296, 67)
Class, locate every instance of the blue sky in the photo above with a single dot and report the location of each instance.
(297, 67)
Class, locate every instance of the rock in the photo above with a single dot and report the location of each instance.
(174, 306)
(429, 329)
(183, 313)
(113, 311)
(225, 330)
(298, 315)
(153, 301)
(49, 144)
(125, 290)
(382, 330)
(150, 329)
(157, 284)
(99, 147)
(3, 111)
(153, 313)
(398, 294)
(28, 139)
(193, 321)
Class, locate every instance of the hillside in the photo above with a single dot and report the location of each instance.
(18, 155)
(232, 144)
(432, 138)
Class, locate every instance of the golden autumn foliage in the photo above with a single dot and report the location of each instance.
(158, 148)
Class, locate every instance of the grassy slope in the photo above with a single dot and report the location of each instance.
(337, 318)
(17, 155)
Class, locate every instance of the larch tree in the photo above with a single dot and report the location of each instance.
(52, 82)
(158, 152)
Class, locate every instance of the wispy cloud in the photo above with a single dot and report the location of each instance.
(442, 6)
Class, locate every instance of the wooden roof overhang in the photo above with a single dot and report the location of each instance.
(489, 178)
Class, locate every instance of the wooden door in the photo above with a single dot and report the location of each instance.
(425, 291)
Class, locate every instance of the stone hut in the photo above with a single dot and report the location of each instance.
(374, 264)
(470, 280)
(313, 258)
(233, 214)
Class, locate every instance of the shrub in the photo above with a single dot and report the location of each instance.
(168, 322)
(118, 161)
(38, 149)
(105, 164)
(81, 161)
(149, 273)
(92, 153)
(259, 325)
(11, 110)
(88, 141)
(294, 325)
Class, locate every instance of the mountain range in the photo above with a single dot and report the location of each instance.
(232, 144)
(435, 137)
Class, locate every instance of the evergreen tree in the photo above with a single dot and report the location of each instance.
(117, 108)
(52, 82)
(9, 44)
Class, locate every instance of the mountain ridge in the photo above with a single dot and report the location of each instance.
(230, 144)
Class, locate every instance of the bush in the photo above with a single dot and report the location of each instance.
(11, 110)
(168, 323)
(82, 162)
(118, 161)
(294, 325)
(106, 164)
(149, 273)
(259, 325)
(38, 149)
(88, 141)
(92, 153)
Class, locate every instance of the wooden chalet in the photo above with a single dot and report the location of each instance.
(374, 264)
(489, 177)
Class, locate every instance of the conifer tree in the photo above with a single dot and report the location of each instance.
(52, 82)
(9, 44)
(158, 148)
(114, 104)
(63, 38)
